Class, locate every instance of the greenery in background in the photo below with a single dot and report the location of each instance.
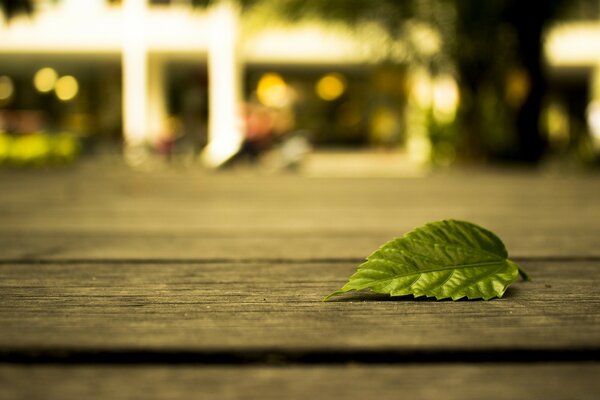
(38, 149)
(444, 259)
(11, 8)
(493, 48)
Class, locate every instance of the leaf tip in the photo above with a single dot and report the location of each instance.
(329, 296)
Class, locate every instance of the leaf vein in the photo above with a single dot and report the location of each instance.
(447, 258)
(449, 267)
(414, 281)
(455, 246)
(444, 282)
(472, 281)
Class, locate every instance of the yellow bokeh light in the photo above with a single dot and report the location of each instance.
(556, 119)
(419, 149)
(66, 88)
(421, 88)
(331, 86)
(7, 88)
(518, 86)
(45, 79)
(272, 91)
(446, 98)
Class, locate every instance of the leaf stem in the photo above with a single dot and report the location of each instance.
(524, 275)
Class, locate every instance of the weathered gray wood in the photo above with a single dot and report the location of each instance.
(237, 246)
(449, 382)
(268, 248)
(114, 213)
(250, 306)
(193, 245)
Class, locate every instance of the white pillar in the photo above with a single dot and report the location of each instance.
(157, 98)
(135, 73)
(593, 109)
(595, 82)
(225, 132)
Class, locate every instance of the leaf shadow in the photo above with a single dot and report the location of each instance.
(378, 297)
(511, 292)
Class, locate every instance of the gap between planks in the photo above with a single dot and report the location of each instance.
(252, 260)
(67, 356)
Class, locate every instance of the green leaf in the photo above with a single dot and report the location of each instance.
(443, 259)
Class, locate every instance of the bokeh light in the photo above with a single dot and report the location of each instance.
(7, 88)
(446, 97)
(421, 88)
(66, 88)
(557, 124)
(5, 145)
(391, 76)
(272, 91)
(419, 149)
(45, 80)
(518, 85)
(330, 86)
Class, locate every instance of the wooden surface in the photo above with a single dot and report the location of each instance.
(114, 214)
(115, 283)
(449, 382)
(239, 307)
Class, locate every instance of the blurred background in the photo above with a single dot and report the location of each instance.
(333, 87)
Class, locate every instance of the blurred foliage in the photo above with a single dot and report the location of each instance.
(11, 8)
(206, 3)
(491, 46)
(38, 149)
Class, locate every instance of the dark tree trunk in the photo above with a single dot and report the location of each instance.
(529, 22)
(485, 56)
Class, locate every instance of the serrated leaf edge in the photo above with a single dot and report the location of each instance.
(405, 236)
(420, 273)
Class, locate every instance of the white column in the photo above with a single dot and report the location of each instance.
(595, 82)
(157, 98)
(225, 132)
(135, 73)
(593, 109)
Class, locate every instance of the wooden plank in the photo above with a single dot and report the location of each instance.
(33, 205)
(460, 382)
(241, 307)
(526, 242)
(115, 213)
(190, 246)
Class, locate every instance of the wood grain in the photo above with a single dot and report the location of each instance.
(242, 307)
(450, 382)
(240, 246)
(210, 285)
(113, 213)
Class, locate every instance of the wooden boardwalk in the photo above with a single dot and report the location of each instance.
(178, 284)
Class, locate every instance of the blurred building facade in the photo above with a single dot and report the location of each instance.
(167, 75)
(572, 49)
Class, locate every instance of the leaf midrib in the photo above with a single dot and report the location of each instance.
(440, 269)
(471, 250)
